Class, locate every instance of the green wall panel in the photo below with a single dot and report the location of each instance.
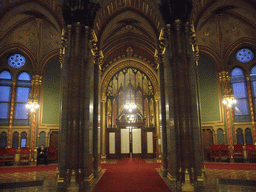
(51, 93)
(208, 90)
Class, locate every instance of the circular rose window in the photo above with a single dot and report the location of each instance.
(16, 61)
(244, 55)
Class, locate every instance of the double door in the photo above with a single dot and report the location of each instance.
(130, 142)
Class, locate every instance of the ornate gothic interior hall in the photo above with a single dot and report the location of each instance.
(100, 81)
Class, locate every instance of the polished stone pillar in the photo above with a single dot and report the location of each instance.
(161, 74)
(76, 122)
(188, 160)
(79, 105)
(96, 115)
(183, 122)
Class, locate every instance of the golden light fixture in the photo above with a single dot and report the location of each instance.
(130, 107)
(32, 105)
(229, 100)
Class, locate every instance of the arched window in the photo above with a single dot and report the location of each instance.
(3, 139)
(253, 86)
(15, 140)
(220, 136)
(5, 96)
(23, 139)
(248, 136)
(42, 138)
(240, 136)
(241, 110)
(21, 115)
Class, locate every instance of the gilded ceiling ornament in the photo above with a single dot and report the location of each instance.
(53, 36)
(128, 27)
(206, 34)
(26, 32)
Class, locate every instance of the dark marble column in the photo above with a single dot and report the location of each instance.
(183, 122)
(76, 132)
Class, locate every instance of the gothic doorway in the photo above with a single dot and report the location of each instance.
(130, 115)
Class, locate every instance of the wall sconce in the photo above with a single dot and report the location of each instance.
(229, 100)
(32, 105)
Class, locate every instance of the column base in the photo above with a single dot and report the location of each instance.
(187, 186)
(171, 180)
(88, 181)
(103, 157)
(163, 171)
(97, 172)
(61, 185)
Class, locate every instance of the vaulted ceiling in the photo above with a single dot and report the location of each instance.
(125, 29)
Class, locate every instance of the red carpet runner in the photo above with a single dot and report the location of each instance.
(131, 175)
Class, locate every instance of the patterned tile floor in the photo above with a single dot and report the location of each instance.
(212, 178)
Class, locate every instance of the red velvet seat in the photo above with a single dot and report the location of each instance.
(52, 153)
(215, 152)
(24, 155)
(2, 155)
(238, 152)
(225, 152)
(251, 152)
(10, 155)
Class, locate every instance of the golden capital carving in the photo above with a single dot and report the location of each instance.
(177, 24)
(224, 76)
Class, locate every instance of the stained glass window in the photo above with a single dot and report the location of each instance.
(240, 136)
(15, 139)
(5, 96)
(3, 139)
(16, 60)
(241, 109)
(23, 139)
(248, 136)
(22, 93)
(253, 87)
(244, 55)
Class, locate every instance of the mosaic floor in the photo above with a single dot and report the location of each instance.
(212, 180)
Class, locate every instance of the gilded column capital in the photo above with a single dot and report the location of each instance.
(178, 25)
(224, 76)
(62, 45)
(247, 76)
(195, 48)
(161, 48)
(37, 79)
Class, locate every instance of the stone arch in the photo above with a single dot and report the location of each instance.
(130, 62)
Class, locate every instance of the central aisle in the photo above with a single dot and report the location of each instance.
(131, 175)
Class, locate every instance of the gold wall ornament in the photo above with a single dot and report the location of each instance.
(62, 46)
(195, 48)
(224, 76)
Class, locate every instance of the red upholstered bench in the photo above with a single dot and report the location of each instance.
(10, 155)
(251, 153)
(25, 155)
(215, 152)
(238, 152)
(225, 153)
(52, 153)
